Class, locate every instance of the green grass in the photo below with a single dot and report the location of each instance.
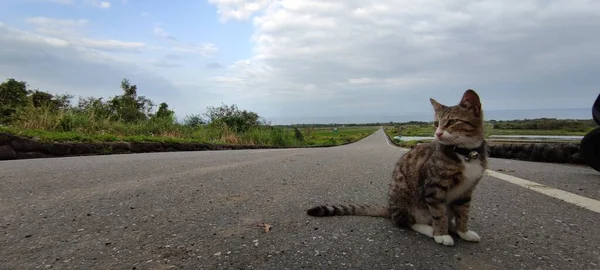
(344, 135)
(422, 130)
(156, 132)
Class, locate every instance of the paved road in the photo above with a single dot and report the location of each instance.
(200, 210)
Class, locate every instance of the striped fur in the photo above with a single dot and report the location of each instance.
(432, 184)
(349, 210)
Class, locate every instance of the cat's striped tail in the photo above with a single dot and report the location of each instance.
(349, 210)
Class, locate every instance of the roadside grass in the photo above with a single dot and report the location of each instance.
(326, 136)
(424, 131)
(428, 130)
(82, 129)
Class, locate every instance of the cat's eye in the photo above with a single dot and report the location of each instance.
(451, 122)
(436, 123)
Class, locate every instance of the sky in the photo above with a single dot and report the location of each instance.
(308, 58)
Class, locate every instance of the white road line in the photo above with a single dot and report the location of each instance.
(387, 140)
(569, 197)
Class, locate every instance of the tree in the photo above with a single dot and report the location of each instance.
(238, 120)
(130, 107)
(193, 120)
(164, 112)
(39, 98)
(13, 95)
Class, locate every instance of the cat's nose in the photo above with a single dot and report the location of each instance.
(439, 134)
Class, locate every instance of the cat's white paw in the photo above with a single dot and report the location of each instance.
(424, 229)
(445, 240)
(469, 236)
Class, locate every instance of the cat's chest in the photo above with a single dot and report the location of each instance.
(472, 171)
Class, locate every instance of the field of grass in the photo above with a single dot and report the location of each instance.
(428, 130)
(344, 135)
(154, 132)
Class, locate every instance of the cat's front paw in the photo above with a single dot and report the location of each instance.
(445, 240)
(470, 236)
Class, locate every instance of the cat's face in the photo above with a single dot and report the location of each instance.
(460, 125)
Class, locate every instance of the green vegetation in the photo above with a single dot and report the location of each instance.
(327, 136)
(131, 117)
(542, 126)
(135, 118)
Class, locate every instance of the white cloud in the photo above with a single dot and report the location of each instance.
(100, 4)
(62, 59)
(110, 45)
(403, 52)
(21, 36)
(95, 3)
(56, 27)
(206, 49)
(203, 49)
(63, 2)
(239, 9)
(57, 66)
(160, 32)
(72, 32)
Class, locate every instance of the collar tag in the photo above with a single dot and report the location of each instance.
(472, 155)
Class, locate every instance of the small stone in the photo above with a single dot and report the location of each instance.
(217, 254)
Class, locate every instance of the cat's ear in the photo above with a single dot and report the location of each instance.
(436, 105)
(470, 100)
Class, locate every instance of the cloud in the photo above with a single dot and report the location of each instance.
(396, 54)
(158, 31)
(238, 10)
(63, 2)
(169, 61)
(71, 32)
(214, 65)
(110, 45)
(100, 4)
(203, 49)
(95, 3)
(57, 66)
(56, 27)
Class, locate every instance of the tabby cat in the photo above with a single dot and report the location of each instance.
(432, 183)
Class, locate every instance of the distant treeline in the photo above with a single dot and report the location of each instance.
(358, 125)
(545, 124)
(576, 125)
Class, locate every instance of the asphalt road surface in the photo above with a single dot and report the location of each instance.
(201, 210)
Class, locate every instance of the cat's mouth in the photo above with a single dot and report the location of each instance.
(444, 139)
(461, 141)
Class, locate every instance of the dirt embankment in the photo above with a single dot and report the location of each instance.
(14, 147)
(540, 152)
